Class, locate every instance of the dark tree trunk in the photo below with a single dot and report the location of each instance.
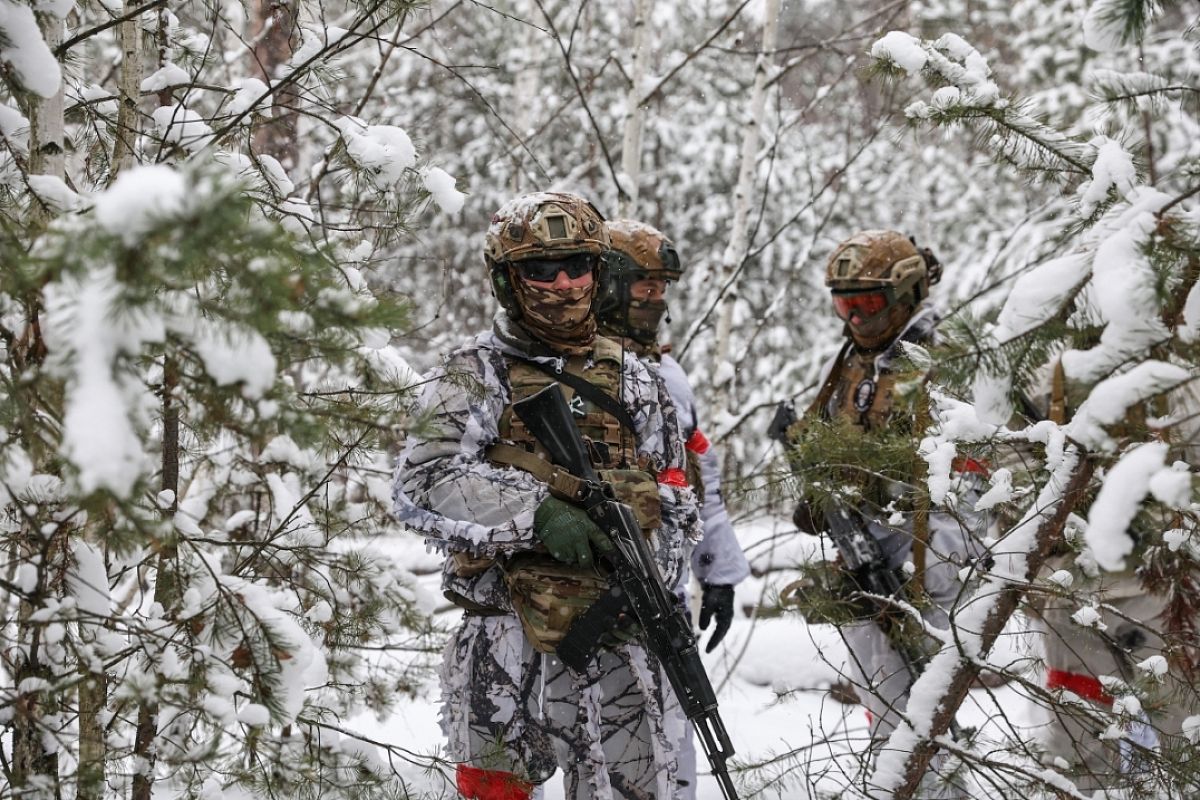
(275, 33)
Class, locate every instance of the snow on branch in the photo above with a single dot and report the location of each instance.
(963, 91)
(941, 688)
(24, 50)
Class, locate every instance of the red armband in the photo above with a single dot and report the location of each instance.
(490, 784)
(1086, 686)
(698, 443)
(968, 464)
(673, 476)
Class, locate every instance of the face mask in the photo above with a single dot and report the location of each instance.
(561, 319)
(879, 330)
(644, 318)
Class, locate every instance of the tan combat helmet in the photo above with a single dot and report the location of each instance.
(545, 225)
(638, 251)
(880, 260)
(542, 225)
(878, 278)
(648, 248)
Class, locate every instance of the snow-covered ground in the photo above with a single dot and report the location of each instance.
(772, 675)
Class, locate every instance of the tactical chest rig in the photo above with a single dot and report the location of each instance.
(858, 391)
(547, 594)
(606, 427)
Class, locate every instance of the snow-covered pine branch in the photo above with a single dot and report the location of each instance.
(1117, 393)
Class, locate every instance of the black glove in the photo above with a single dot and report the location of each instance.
(717, 601)
(785, 417)
(804, 520)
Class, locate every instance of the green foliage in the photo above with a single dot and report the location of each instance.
(823, 594)
(1131, 17)
(833, 460)
(261, 574)
(1013, 134)
(961, 353)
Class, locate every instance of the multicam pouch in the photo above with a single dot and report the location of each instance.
(638, 490)
(549, 595)
(468, 566)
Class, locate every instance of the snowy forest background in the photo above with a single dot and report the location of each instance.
(235, 234)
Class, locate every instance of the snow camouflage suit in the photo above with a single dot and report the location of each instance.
(507, 706)
(879, 673)
(1133, 626)
(718, 557)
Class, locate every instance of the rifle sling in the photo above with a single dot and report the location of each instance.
(563, 484)
(826, 391)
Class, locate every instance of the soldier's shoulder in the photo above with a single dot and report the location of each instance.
(606, 349)
(481, 353)
(671, 368)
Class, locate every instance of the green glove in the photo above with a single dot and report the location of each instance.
(568, 532)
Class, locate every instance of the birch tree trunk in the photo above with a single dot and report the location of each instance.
(739, 234)
(47, 138)
(631, 146)
(32, 763)
(527, 89)
(92, 692)
(129, 89)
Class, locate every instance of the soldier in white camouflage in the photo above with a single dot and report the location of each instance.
(880, 281)
(641, 265)
(520, 561)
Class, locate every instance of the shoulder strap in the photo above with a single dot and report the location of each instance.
(589, 391)
(822, 399)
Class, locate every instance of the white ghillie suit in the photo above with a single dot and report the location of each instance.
(505, 705)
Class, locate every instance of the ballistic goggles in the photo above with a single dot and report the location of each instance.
(546, 270)
(861, 305)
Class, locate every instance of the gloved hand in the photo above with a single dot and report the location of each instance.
(568, 532)
(804, 520)
(716, 601)
(625, 630)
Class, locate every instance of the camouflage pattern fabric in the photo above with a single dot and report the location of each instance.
(864, 385)
(561, 318)
(624, 715)
(1131, 629)
(496, 713)
(612, 444)
(549, 595)
(879, 674)
(717, 558)
(639, 491)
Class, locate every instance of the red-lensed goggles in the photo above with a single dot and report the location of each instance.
(859, 306)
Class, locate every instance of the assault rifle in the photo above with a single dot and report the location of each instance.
(636, 588)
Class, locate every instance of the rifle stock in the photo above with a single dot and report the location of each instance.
(548, 417)
(636, 587)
